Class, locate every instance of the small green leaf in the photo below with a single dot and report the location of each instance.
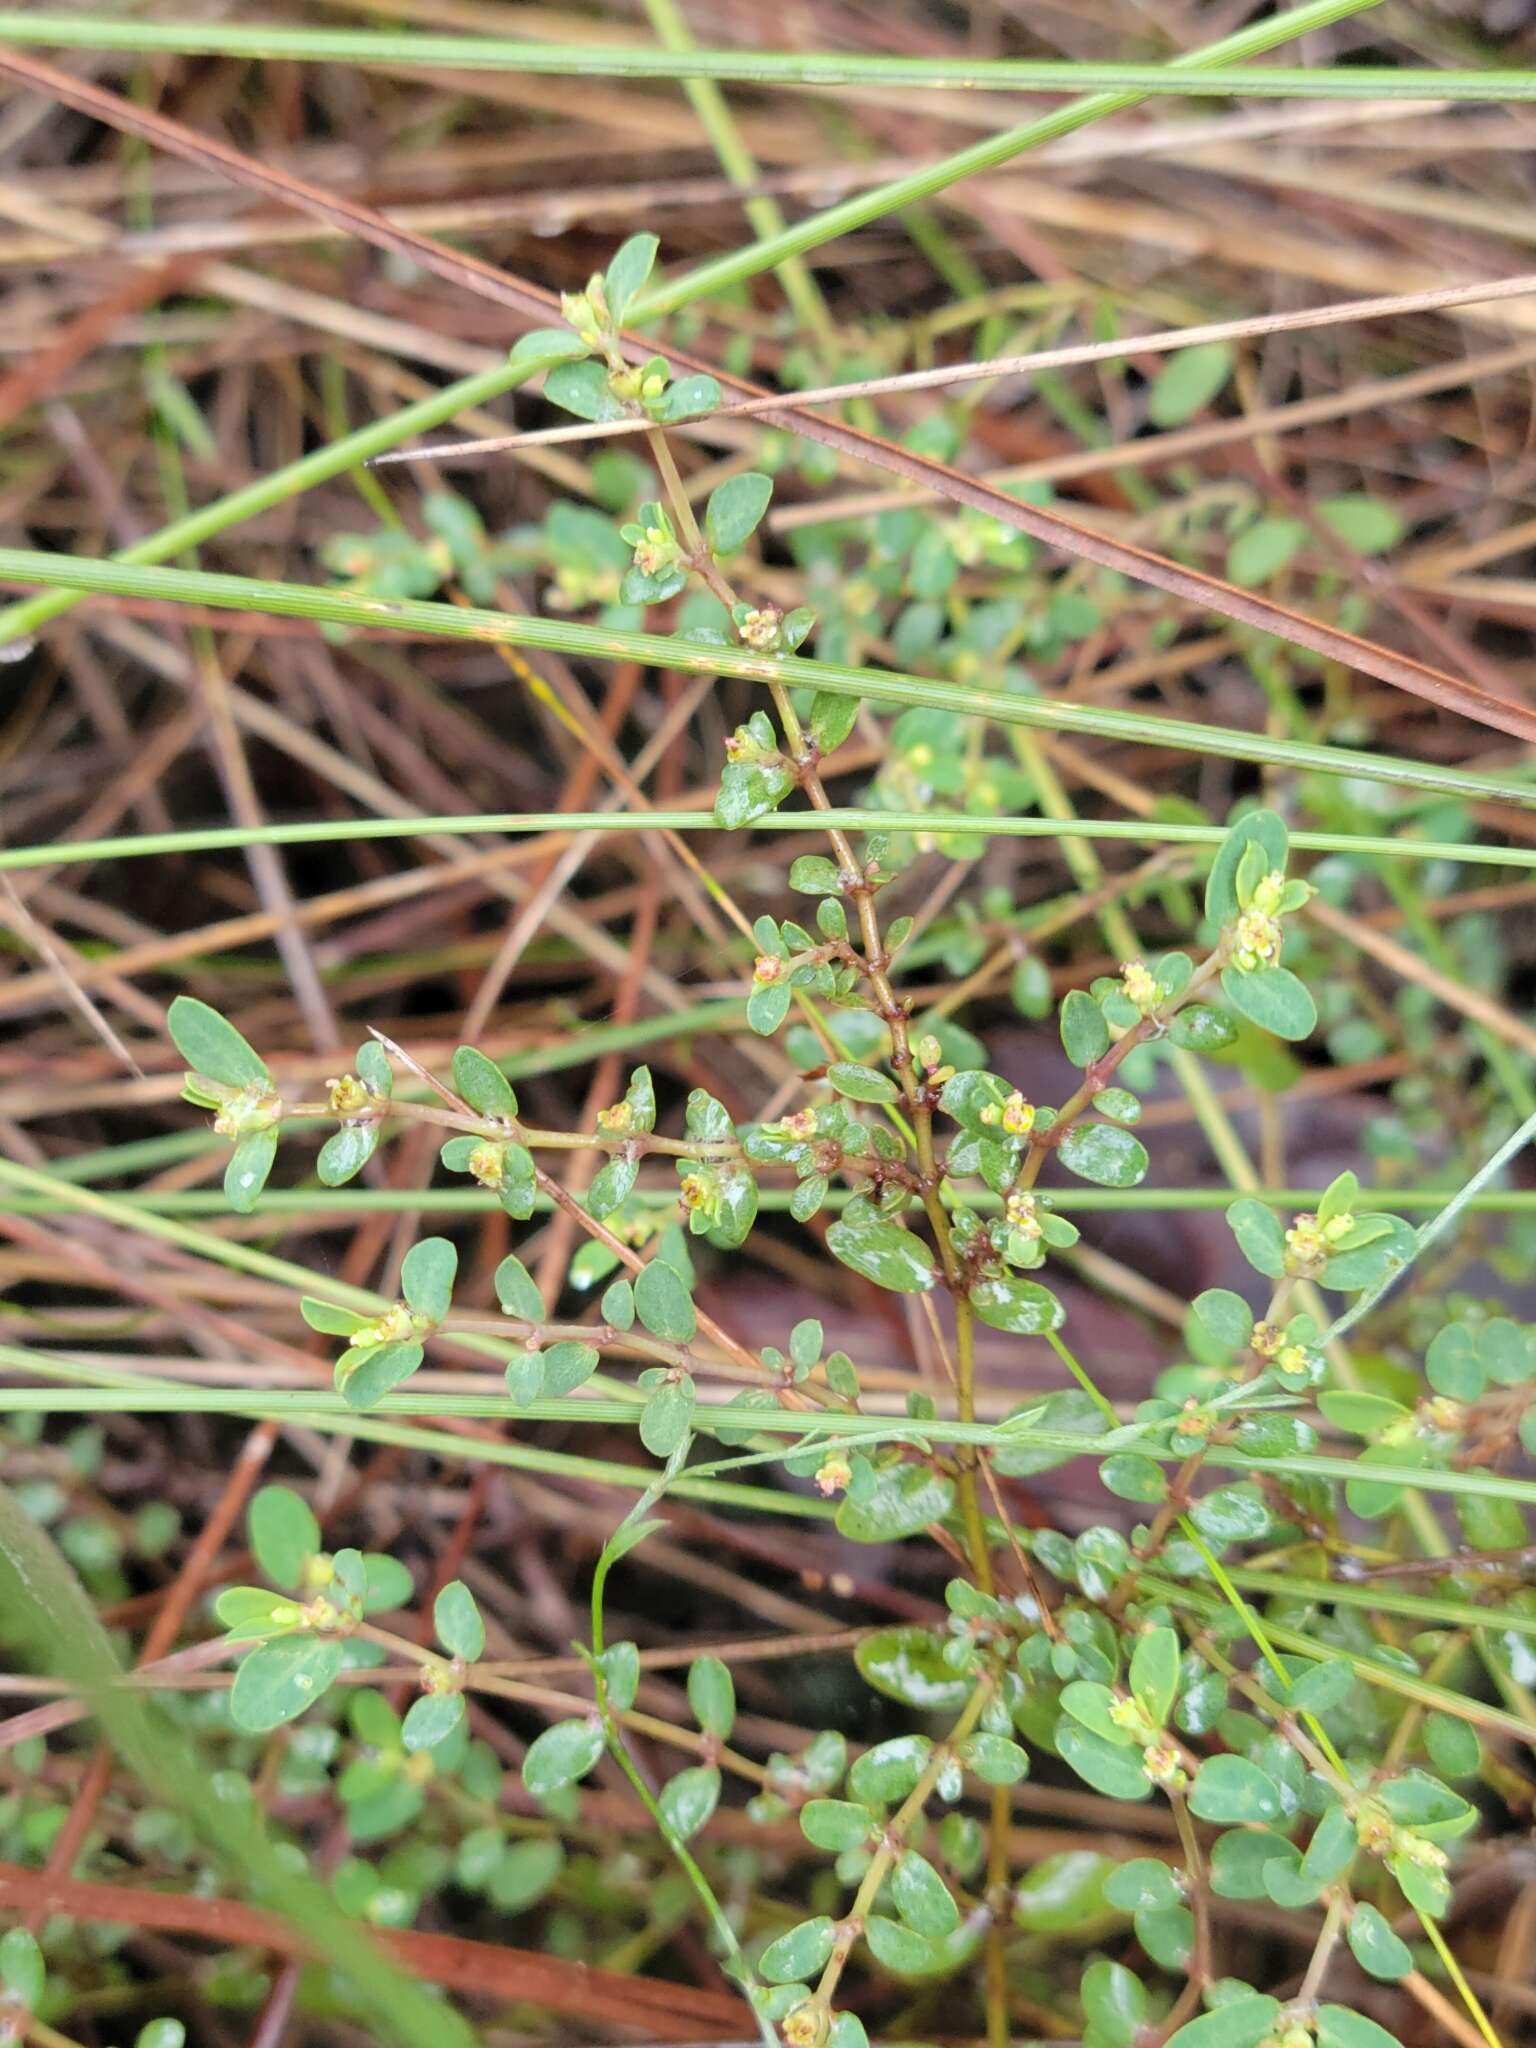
(1273, 998)
(456, 1617)
(1453, 1746)
(1231, 1789)
(1226, 1316)
(1377, 1950)
(211, 1045)
(22, 1970)
(248, 1612)
(904, 1499)
(685, 400)
(345, 1153)
(541, 347)
(626, 276)
(1260, 1238)
(883, 1252)
(1187, 382)
(667, 1415)
(663, 1303)
(1323, 1687)
(799, 1954)
(712, 1696)
(248, 1168)
(276, 1682)
(905, 1664)
(1084, 1033)
(367, 1376)
(561, 1756)
(1021, 1306)
(524, 1872)
(1363, 523)
(1155, 1672)
(689, 1799)
(330, 1320)
(1199, 1028)
(1105, 1154)
(517, 1292)
(1143, 1881)
(583, 389)
(1265, 829)
(426, 1277)
(1262, 550)
(734, 509)
(922, 1898)
(1339, 2026)
(284, 1534)
(1130, 1475)
(861, 1084)
(431, 1720)
(901, 1949)
(482, 1084)
(836, 1824)
(995, 1759)
(1242, 2022)
(1114, 2003)
(1117, 1773)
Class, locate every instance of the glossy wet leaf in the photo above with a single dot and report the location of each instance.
(482, 1083)
(884, 1253)
(561, 1756)
(689, 1799)
(800, 1953)
(1273, 998)
(249, 1166)
(712, 1696)
(431, 1720)
(1105, 1154)
(457, 1619)
(905, 1665)
(1230, 1789)
(904, 1499)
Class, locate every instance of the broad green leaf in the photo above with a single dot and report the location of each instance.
(1339, 2026)
(664, 1304)
(1323, 1687)
(1226, 1316)
(583, 388)
(1187, 382)
(904, 1499)
(1231, 1789)
(1242, 2023)
(375, 1372)
(995, 1759)
(1084, 1033)
(1199, 1028)
(862, 1084)
(884, 1775)
(1114, 2003)
(1022, 1306)
(901, 1949)
(567, 1366)
(1453, 1746)
(885, 1253)
(1260, 1237)
(667, 1416)
(248, 1612)
(542, 346)
(835, 1824)
(800, 1953)
(922, 1898)
(1117, 1773)
(1064, 1894)
(1105, 1154)
(284, 1534)
(330, 1320)
(1130, 1475)
(1377, 1950)
(1273, 998)
(1143, 1881)
(276, 1682)
(345, 1153)
(734, 509)
(457, 1619)
(689, 1799)
(431, 1720)
(561, 1756)
(517, 1292)
(905, 1664)
(482, 1084)
(211, 1045)
(426, 1277)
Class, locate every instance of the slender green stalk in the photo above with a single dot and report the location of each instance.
(344, 831)
(343, 608)
(425, 52)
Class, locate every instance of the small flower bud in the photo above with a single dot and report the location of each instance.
(833, 1475)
